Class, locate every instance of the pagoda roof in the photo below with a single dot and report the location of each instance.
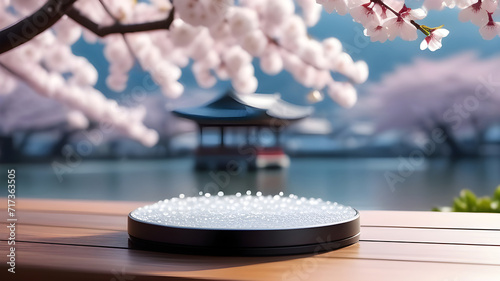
(233, 109)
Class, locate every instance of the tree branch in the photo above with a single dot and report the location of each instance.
(45, 17)
(41, 20)
(415, 24)
(117, 21)
(117, 27)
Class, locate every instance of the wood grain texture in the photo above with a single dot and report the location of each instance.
(364, 249)
(130, 263)
(87, 240)
(431, 219)
(368, 218)
(109, 222)
(370, 233)
(75, 206)
(425, 235)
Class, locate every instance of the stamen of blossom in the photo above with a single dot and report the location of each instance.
(376, 33)
(491, 29)
(400, 27)
(474, 13)
(365, 14)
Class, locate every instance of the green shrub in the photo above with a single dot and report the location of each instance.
(469, 202)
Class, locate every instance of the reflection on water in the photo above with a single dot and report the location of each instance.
(357, 182)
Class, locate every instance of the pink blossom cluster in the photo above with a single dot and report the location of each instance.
(48, 65)
(222, 40)
(219, 37)
(379, 21)
(428, 101)
(479, 12)
(271, 31)
(388, 19)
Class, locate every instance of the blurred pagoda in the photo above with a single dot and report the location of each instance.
(247, 128)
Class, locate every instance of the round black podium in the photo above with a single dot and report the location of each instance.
(243, 225)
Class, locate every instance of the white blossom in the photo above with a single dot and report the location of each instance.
(377, 33)
(77, 120)
(400, 27)
(311, 11)
(365, 14)
(271, 62)
(433, 41)
(490, 30)
(202, 12)
(254, 42)
(242, 21)
(220, 38)
(343, 93)
(474, 13)
(340, 6)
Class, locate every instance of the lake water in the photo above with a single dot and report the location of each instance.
(358, 182)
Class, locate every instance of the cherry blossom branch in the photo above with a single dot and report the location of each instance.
(277, 44)
(108, 11)
(36, 23)
(117, 21)
(381, 3)
(19, 76)
(11, 72)
(117, 27)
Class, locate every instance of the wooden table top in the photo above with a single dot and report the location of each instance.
(87, 240)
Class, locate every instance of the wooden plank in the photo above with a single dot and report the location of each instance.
(109, 222)
(86, 261)
(364, 250)
(30, 273)
(431, 219)
(368, 218)
(424, 235)
(421, 252)
(67, 235)
(397, 260)
(74, 206)
(390, 234)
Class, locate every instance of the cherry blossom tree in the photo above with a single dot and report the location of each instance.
(25, 113)
(388, 19)
(460, 104)
(219, 37)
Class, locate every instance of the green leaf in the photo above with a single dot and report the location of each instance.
(496, 194)
(484, 205)
(459, 205)
(468, 202)
(469, 198)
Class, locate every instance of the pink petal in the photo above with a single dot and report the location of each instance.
(418, 14)
(477, 17)
(489, 5)
(392, 26)
(489, 31)
(408, 32)
(423, 45)
(441, 32)
(329, 6)
(435, 44)
(433, 4)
